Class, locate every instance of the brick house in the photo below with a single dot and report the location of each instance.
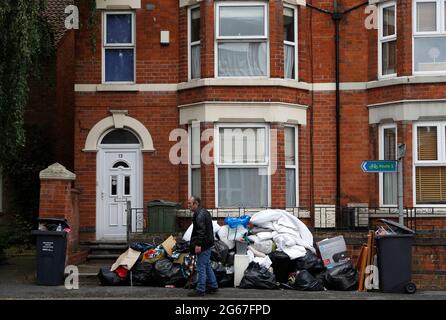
(255, 83)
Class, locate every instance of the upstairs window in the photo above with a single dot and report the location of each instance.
(429, 36)
(242, 39)
(387, 40)
(194, 43)
(290, 42)
(119, 47)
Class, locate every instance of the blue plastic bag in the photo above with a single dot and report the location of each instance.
(234, 222)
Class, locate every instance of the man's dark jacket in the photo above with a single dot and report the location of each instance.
(202, 233)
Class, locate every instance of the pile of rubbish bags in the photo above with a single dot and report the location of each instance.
(282, 255)
(166, 265)
(279, 247)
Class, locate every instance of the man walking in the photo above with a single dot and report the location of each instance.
(201, 242)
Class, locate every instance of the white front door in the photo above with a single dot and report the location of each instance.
(119, 182)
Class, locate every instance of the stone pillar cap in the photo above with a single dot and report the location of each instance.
(56, 172)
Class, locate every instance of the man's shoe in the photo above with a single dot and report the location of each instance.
(212, 290)
(195, 293)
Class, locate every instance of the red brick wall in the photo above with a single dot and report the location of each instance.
(324, 146)
(64, 113)
(278, 179)
(208, 171)
(207, 38)
(317, 156)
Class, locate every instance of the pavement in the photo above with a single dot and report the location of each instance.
(18, 281)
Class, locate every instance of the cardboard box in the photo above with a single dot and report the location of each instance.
(168, 245)
(333, 251)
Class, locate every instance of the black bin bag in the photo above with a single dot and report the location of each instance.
(110, 278)
(219, 252)
(257, 277)
(343, 277)
(282, 265)
(309, 262)
(166, 273)
(304, 281)
(142, 274)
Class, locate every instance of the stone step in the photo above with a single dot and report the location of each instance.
(107, 250)
(98, 242)
(103, 256)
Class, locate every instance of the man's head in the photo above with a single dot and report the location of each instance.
(194, 203)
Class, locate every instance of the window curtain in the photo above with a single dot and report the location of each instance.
(289, 62)
(242, 188)
(195, 62)
(242, 59)
(390, 188)
(290, 188)
(196, 182)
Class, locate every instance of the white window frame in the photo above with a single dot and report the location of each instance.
(381, 157)
(295, 44)
(106, 46)
(218, 39)
(219, 165)
(296, 162)
(440, 32)
(384, 39)
(189, 158)
(441, 155)
(191, 44)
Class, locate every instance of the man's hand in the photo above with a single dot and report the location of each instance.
(197, 249)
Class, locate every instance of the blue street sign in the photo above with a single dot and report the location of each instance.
(371, 166)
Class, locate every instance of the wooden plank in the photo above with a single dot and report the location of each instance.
(370, 243)
(363, 263)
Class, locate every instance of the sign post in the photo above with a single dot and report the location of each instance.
(401, 155)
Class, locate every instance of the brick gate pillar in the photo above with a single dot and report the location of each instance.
(59, 200)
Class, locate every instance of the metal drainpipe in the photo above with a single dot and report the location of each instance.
(337, 17)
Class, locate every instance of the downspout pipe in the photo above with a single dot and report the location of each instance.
(337, 17)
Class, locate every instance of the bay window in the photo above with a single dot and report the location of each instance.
(430, 163)
(119, 47)
(291, 167)
(194, 43)
(429, 53)
(242, 166)
(387, 40)
(387, 151)
(195, 160)
(241, 39)
(290, 42)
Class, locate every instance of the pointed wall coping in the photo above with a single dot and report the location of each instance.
(56, 172)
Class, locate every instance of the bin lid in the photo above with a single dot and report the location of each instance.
(163, 203)
(49, 233)
(396, 227)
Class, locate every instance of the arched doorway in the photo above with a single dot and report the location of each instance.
(119, 176)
